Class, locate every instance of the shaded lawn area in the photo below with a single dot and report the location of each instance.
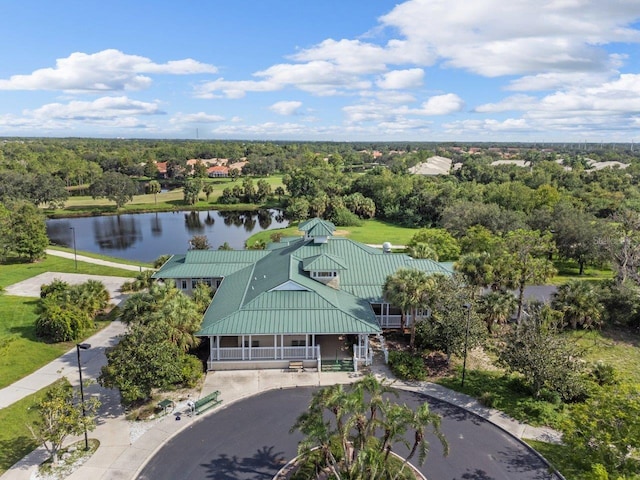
(506, 393)
(618, 347)
(15, 438)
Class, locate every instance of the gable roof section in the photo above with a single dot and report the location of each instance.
(258, 309)
(308, 225)
(208, 263)
(323, 262)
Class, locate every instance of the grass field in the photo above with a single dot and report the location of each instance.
(21, 352)
(171, 200)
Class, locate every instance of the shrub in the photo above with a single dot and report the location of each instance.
(604, 374)
(488, 399)
(550, 396)
(344, 218)
(191, 371)
(406, 366)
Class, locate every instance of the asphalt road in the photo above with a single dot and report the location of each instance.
(250, 439)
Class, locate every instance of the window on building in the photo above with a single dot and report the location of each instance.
(183, 284)
(298, 343)
(254, 343)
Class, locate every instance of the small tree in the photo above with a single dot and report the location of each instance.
(442, 242)
(199, 242)
(60, 415)
(191, 190)
(545, 358)
(208, 190)
(155, 188)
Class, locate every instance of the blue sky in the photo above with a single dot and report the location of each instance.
(338, 70)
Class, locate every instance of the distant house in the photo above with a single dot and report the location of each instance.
(310, 298)
(218, 171)
(162, 169)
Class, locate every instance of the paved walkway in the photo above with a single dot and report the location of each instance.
(97, 261)
(126, 446)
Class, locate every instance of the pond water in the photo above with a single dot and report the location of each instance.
(146, 236)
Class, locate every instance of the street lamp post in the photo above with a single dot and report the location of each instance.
(467, 307)
(75, 252)
(83, 346)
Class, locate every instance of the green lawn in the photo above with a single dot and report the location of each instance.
(569, 270)
(21, 352)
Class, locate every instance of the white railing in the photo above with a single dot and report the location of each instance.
(359, 352)
(390, 321)
(265, 353)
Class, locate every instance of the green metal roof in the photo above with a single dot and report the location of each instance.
(310, 224)
(208, 263)
(270, 291)
(323, 262)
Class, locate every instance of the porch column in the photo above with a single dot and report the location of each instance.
(275, 346)
(218, 347)
(282, 346)
(306, 346)
(242, 340)
(313, 343)
(250, 347)
(211, 350)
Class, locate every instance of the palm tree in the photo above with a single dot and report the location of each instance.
(422, 250)
(419, 422)
(365, 426)
(476, 269)
(579, 304)
(497, 307)
(409, 290)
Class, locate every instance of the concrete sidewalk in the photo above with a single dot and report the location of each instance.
(97, 261)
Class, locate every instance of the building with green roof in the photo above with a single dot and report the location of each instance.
(301, 299)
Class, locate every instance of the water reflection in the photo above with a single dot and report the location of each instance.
(116, 233)
(146, 236)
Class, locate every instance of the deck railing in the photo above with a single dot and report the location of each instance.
(265, 353)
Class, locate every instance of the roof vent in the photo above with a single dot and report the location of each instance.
(386, 247)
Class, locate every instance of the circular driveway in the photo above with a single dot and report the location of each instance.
(250, 439)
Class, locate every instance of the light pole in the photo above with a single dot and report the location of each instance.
(75, 252)
(83, 346)
(467, 307)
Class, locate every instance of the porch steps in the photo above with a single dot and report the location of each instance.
(344, 365)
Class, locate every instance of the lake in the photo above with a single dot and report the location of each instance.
(146, 236)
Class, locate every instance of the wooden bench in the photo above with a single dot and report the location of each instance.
(296, 366)
(207, 402)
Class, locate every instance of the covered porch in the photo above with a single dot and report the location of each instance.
(275, 351)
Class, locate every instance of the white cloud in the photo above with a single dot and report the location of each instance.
(383, 112)
(108, 70)
(493, 37)
(401, 79)
(285, 107)
(200, 117)
(515, 102)
(102, 108)
(442, 105)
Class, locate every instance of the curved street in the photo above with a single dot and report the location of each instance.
(250, 439)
